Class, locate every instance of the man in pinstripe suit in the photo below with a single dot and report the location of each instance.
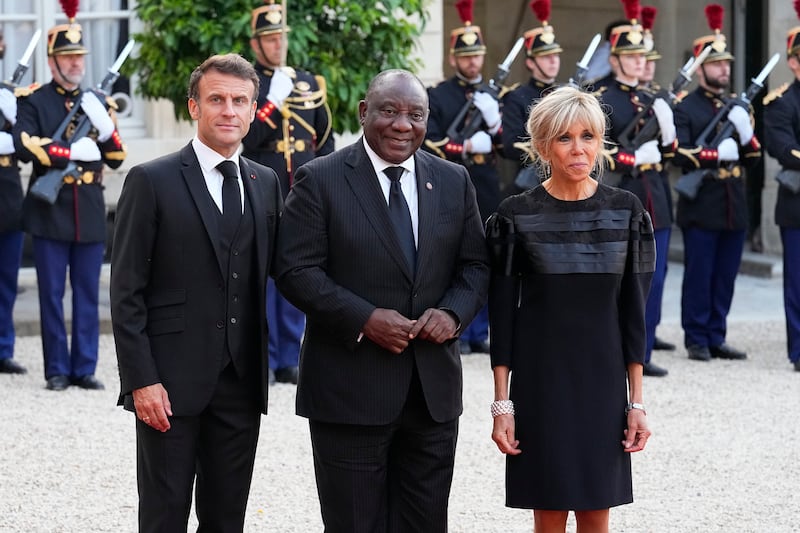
(380, 371)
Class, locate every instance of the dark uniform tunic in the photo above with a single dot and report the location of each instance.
(645, 181)
(782, 129)
(567, 296)
(713, 224)
(283, 139)
(517, 106)
(446, 100)
(10, 240)
(69, 233)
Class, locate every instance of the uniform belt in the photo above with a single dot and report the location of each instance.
(294, 145)
(87, 177)
(479, 159)
(735, 172)
(650, 166)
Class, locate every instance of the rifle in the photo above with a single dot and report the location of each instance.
(583, 65)
(631, 141)
(46, 187)
(19, 72)
(689, 184)
(493, 88)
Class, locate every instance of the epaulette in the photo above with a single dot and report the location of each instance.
(112, 103)
(599, 92)
(22, 92)
(506, 89)
(775, 93)
(681, 95)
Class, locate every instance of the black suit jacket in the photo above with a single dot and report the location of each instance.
(167, 297)
(339, 258)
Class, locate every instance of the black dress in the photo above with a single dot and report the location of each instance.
(566, 304)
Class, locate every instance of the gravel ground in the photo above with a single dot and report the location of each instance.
(723, 456)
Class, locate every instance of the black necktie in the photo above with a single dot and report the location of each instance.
(401, 216)
(231, 199)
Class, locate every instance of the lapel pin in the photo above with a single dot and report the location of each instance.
(428, 185)
(252, 176)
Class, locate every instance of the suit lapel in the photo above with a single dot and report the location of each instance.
(256, 210)
(195, 182)
(364, 183)
(428, 191)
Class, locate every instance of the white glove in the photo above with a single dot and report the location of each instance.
(665, 120)
(280, 87)
(98, 115)
(489, 108)
(648, 153)
(727, 150)
(480, 143)
(740, 119)
(84, 149)
(6, 143)
(8, 106)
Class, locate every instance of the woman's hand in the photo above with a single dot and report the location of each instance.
(503, 435)
(637, 433)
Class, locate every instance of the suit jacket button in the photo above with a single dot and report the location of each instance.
(233, 320)
(220, 325)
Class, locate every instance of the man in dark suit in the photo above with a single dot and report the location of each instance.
(382, 247)
(193, 246)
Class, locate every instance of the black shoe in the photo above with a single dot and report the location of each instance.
(88, 382)
(479, 347)
(652, 369)
(287, 375)
(271, 378)
(797, 365)
(699, 353)
(725, 351)
(57, 383)
(9, 366)
(465, 348)
(660, 344)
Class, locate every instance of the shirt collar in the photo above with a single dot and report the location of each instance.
(209, 159)
(380, 164)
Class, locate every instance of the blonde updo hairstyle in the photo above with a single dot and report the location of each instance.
(555, 113)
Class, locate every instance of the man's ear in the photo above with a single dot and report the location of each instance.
(194, 109)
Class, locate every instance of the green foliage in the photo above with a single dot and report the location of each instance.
(347, 42)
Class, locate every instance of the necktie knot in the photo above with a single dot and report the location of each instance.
(393, 173)
(228, 169)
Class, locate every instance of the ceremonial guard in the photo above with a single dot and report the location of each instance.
(292, 126)
(647, 80)
(543, 61)
(69, 234)
(11, 236)
(782, 127)
(712, 217)
(635, 158)
(455, 103)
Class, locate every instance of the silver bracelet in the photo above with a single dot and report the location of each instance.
(502, 407)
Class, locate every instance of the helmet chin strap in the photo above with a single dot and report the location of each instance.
(61, 73)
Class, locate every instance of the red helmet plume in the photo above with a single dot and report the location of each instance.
(649, 17)
(70, 8)
(541, 8)
(464, 8)
(797, 7)
(714, 14)
(632, 9)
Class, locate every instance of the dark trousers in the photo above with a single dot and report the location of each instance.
(385, 479)
(10, 258)
(790, 237)
(83, 260)
(478, 329)
(286, 324)
(218, 446)
(656, 294)
(711, 261)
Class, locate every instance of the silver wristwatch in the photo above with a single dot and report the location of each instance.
(633, 405)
